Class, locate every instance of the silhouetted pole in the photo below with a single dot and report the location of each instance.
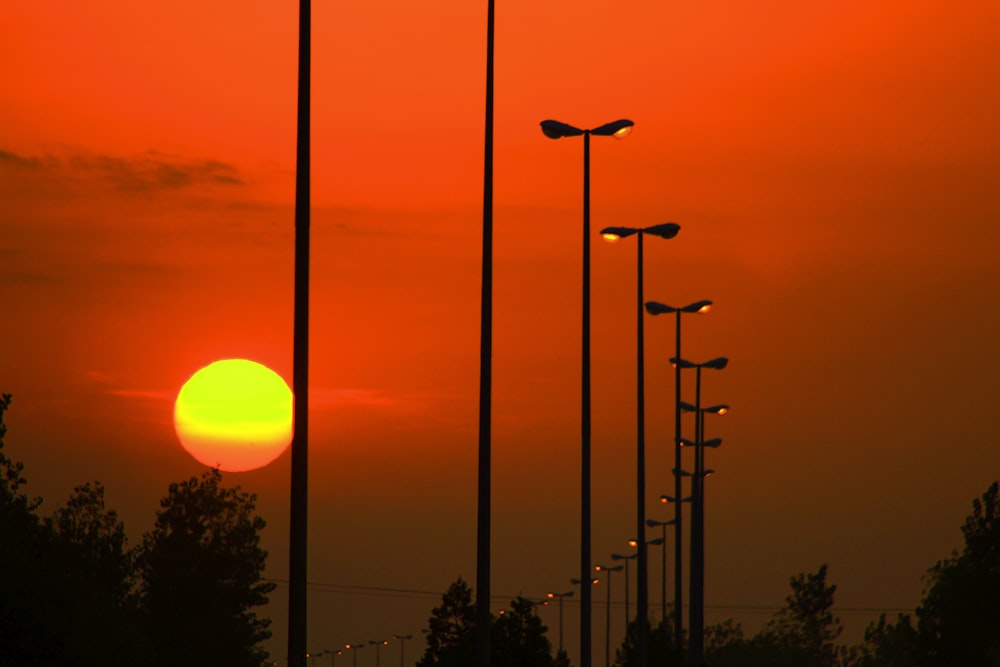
(607, 613)
(567, 594)
(679, 495)
(654, 308)
(667, 231)
(585, 535)
(556, 130)
(697, 620)
(402, 646)
(297, 609)
(485, 372)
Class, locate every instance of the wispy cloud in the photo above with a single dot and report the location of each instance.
(147, 172)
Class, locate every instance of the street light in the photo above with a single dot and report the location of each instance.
(355, 648)
(667, 230)
(697, 585)
(484, 511)
(626, 559)
(402, 646)
(554, 129)
(653, 523)
(378, 643)
(567, 594)
(656, 308)
(607, 612)
(299, 495)
(333, 657)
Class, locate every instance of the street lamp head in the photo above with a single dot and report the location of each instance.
(671, 499)
(715, 364)
(684, 442)
(615, 233)
(714, 442)
(720, 409)
(605, 568)
(633, 542)
(653, 523)
(553, 129)
(685, 406)
(656, 542)
(657, 308)
(667, 230)
(708, 472)
(619, 129)
(593, 581)
(621, 557)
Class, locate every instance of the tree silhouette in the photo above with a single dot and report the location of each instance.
(201, 569)
(95, 573)
(959, 617)
(517, 637)
(451, 629)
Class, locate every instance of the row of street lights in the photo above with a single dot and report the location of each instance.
(619, 129)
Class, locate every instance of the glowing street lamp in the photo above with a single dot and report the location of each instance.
(697, 585)
(560, 596)
(656, 308)
(607, 611)
(554, 129)
(355, 648)
(667, 230)
(378, 644)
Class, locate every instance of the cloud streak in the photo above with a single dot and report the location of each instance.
(145, 173)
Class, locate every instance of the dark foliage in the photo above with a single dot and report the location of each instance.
(201, 570)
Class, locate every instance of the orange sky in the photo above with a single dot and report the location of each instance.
(833, 167)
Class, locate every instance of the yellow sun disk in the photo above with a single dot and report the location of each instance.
(234, 414)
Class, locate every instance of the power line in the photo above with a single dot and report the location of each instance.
(388, 591)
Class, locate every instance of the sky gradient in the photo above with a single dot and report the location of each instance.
(834, 170)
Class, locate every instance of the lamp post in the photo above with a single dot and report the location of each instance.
(626, 559)
(378, 643)
(653, 523)
(667, 230)
(554, 129)
(551, 596)
(298, 506)
(484, 513)
(355, 648)
(655, 308)
(607, 613)
(402, 646)
(697, 611)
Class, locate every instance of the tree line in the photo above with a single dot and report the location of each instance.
(72, 591)
(957, 623)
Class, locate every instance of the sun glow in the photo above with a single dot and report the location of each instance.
(234, 414)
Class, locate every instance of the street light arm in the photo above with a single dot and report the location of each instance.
(553, 129)
(619, 129)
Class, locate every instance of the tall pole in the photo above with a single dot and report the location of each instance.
(696, 620)
(585, 559)
(678, 495)
(642, 579)
(297, 609)
(485, 372)
(607, 623)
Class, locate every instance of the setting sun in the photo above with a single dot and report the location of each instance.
(234, 414)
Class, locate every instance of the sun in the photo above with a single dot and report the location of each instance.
(235, 415)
